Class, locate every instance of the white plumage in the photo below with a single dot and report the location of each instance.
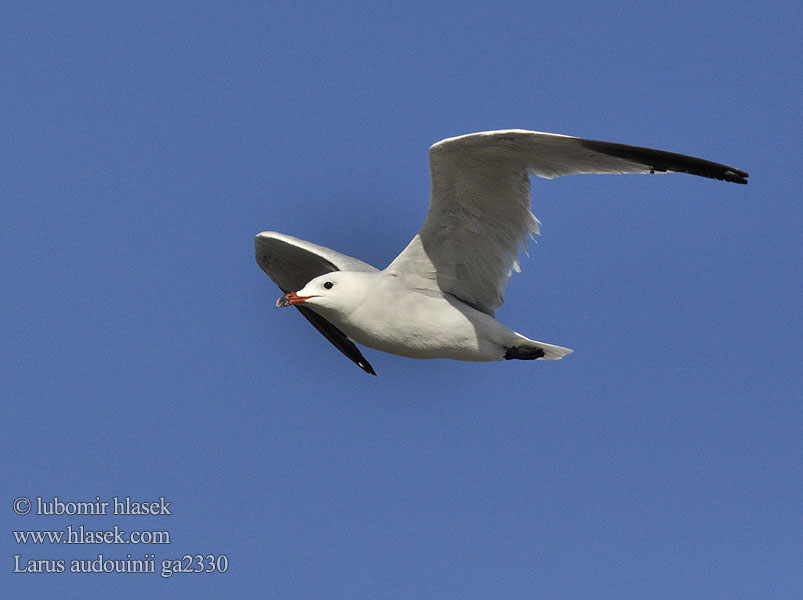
(438, 297)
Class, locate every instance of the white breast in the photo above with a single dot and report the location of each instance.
(424, 325)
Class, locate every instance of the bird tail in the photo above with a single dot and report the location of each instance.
(524, 348)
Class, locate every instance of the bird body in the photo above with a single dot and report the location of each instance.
(437, 299)
(379, 311)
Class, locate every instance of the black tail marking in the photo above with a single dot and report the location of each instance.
(524, 352)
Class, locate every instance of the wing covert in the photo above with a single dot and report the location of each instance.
(291, 262)
(479, 214)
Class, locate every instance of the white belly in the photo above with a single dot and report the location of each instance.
(421, 326)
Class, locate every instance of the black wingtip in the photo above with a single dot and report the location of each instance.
(366, 366)
(662, 161)
(736, 176)
(339, 339)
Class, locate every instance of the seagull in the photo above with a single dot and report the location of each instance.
(438, 297)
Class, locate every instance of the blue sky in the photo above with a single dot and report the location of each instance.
(144, 145)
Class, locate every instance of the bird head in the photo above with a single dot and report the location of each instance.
(338, 292)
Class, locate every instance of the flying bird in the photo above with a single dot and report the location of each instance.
(438, 297)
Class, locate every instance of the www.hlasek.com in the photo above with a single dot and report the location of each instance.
(81, 534)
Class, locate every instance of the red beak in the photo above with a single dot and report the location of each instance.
(291, 298)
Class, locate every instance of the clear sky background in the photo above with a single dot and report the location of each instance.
(143, 145)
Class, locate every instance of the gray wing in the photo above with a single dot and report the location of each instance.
(291, 263)
(479, 214)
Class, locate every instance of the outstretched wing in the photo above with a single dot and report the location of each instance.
(291, 263)
(479, 214)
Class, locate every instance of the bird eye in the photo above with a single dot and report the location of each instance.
(328, 285)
